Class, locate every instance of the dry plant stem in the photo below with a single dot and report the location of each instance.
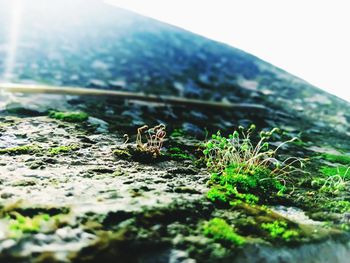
(180, 101)
(154, 136)
(139, 136)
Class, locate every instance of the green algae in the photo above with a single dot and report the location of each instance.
(77, 116)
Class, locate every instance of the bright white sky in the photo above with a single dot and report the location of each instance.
(308, 38)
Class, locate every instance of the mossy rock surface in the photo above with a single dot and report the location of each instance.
(72, 190)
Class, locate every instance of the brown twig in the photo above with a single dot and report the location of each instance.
(42, 89)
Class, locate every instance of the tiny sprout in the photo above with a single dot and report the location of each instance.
(275, 130)
(236, 134)
(278, 164)
(126, 138)
(262, 134)
(252, 127)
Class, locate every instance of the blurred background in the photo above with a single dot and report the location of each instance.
(308, 39)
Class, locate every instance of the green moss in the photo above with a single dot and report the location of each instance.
(26, 149)
(123, 154)
(62, 149)
(220, 231)
(338, 206)
(178, 154)
(177, 133)
(279, 230)
(228, 195)
(246, 167)
(342, 159)
(258, 182)
(22, 224)
(331, 171)
(299, 143)
(175, 150)
(218, 194)
(69, 116)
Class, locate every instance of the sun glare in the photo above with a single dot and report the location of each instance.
(13, 35)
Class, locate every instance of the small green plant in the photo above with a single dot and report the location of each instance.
(239, 150)
(69, 116)
(279, 230)
(220, 231)
(241, 167)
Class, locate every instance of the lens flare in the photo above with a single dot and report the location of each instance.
(14, 31)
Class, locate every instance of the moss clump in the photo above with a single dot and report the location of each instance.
(233, 185)
(245, 170)
(26, 149)
(63, 149)
(177, 133)
(228, 195)
(259, 181)
(299, 143)
(338, 206)
(123, 154)
(177, 154)
(220, 231)
(20, 225)
(279, 230)
(331, 171)
(69, 116)
(342, 159)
